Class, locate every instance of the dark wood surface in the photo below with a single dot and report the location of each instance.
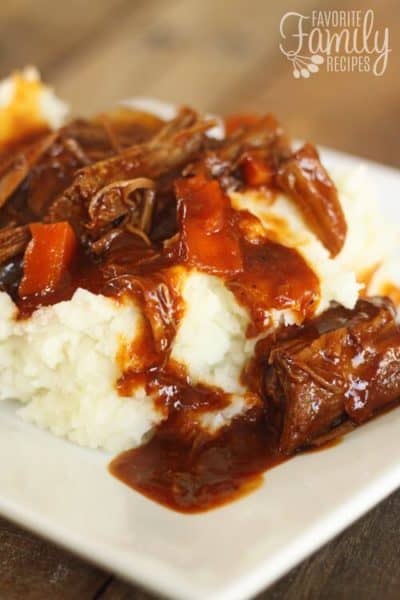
(220, 56)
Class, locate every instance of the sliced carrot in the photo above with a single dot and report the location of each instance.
(47, 258)
(208, 233)
(256, 172)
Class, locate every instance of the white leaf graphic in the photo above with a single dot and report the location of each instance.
(304, 66)
(317, 59)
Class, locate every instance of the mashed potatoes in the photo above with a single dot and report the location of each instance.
(211, 339)
(61, 364)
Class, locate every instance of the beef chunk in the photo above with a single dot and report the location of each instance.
(344, 365)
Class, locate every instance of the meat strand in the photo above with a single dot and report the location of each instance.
(15, 169)
(304, 178)
(13, 241)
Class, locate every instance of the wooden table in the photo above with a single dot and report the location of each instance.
(219, 56)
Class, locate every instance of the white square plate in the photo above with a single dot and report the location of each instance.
(66, 494)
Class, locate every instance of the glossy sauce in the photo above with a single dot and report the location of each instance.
(197, 473)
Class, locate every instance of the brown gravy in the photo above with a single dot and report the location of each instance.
(195, 475)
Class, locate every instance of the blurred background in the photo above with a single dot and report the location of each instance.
(216, 55)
